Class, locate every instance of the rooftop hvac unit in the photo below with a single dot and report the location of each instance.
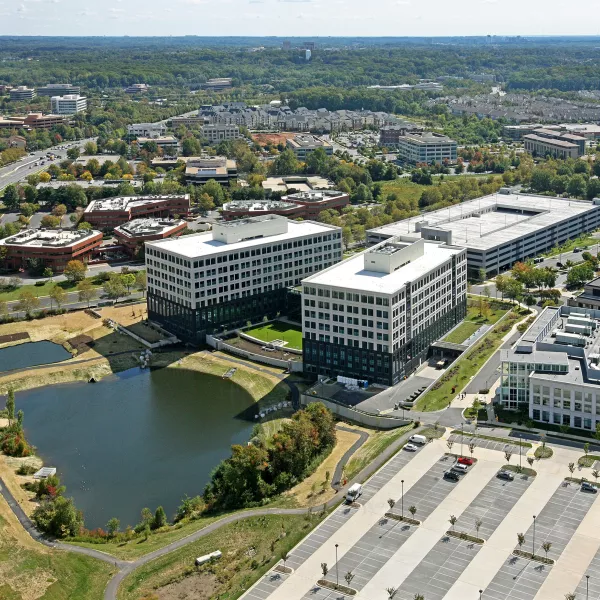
(570, 339)
(580, 329)
(580, 320)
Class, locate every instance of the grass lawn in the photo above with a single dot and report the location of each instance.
(44, 290)
(584, 241)
(464, 331)
(278, 330)
(372, 448)
(250, 548)
(474, 320)
(588, 460)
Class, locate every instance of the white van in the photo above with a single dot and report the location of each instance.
(418, 439)
(353, 493)
(208, 557)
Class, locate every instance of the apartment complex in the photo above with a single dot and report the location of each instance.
(70, 104)
(58, 89)
(305, 205)
(217, 132)
(303, 145)
(134, 234)
(500, 229)
(53, 248)
(426, 147)
(147, 130)
(22, 93)
(554, 369)
(108, 213)
(374, 315)
(199, 170)
(241, 270)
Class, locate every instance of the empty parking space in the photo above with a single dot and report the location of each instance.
(501, 446)
(447, 560)
(520, 578)
(593, 585)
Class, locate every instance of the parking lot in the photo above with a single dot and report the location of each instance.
(488, 444)
(590, 587)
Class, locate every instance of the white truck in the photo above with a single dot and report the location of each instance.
(353, 493)
(418, 439)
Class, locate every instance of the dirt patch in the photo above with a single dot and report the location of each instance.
(81, 343)
(144, 330)
(264, 139)
(14, 337)
(200, 586)
(125, 315)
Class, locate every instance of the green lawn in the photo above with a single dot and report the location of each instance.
(278, 330)
(44, 290)
(464, 331)
(474, 320)
(580, 242)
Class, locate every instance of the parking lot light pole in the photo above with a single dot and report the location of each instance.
(587, 587)
(461, 439)
(533, 542)
(480, 592)
(337, 579)
(402, 498)
(520, 440)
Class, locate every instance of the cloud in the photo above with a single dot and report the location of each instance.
(116, 11)
(21, 8)
(403, 2)
(295, 1)
(256, 2)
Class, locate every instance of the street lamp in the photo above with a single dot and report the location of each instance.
(533, 543)
(402, 498)
(587, 587)
(480, 592)
(337, 579)
(461, 439)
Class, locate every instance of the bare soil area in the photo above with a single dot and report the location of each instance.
(199, 586)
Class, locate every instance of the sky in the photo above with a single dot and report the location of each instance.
(296, 17)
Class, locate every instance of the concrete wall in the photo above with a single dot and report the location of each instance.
(357, 416)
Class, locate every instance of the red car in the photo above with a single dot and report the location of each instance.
(463, 460)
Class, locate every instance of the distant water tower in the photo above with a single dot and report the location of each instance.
(308, 55)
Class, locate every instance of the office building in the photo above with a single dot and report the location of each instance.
(390, 135)
(426, 148)
(500, 229)
(108, 213)
(217, 84)
(137, 88)
(303, 145)
(515, 133)
(134, 234)
(374, 316)
(146, 130)
(52, 248)
(558, 145)
(58, 89)
(217, 132)
(196, 121)
(305, 205)
(554, 370)
(169, 143)
(32, 121)
(68, 105)
(291, 184)
(590, 297)
(199, 170)
(241, 270)
(22, 93)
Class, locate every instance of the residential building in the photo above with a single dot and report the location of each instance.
(53, 248)
(137, 88)
(590, 297)
(169, 143)
(22, 93)
(108, 213)
(500, 229)
(58, 89)
(217, 132)
(305, 205)
(374, 316)
(217, 84)
(68, 105)
(554, 370)
(427, 148)
(199, 170)
(303, 145)
(241, 270)
(134, 234)
(147, 130)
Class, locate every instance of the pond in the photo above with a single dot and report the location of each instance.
(140, 438)
(31, 354)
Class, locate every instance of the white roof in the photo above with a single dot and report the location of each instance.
(203, 244)
(351, 273)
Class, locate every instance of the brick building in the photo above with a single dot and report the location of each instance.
(134, 234)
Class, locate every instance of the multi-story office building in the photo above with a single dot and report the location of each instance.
(303, 145)
(70, 104)
(240, 271)
(134, 234)
(390, 135)
(374, 315)
(554, 369)
(217, 84)
(53, 248)
(32, 121)
(426, 147)
(107, 213)
(137, 88)
(559, 146)
(217, 132)
(169, 143)
(147, 130)
(500, 229)
(22, 93)
(196, 121)
(199, 170)
(58, 89)
(590, 297)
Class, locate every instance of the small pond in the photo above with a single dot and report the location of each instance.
(31, 354)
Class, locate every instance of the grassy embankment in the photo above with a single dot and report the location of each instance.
(585, 241)
(44, 290)
(474, 319)
(458, 375)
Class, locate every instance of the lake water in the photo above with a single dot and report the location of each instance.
(31, 354)
(140, 438)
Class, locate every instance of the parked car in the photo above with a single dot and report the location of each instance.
(559, 265)
(586, 486)
(460, 468)
(578, 249)
(506, 475)
(410, 448)
(538, 260)
(452, 476)
(464, 460)
(418, 439)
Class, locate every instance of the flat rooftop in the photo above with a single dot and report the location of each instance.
(493, 220)
(351, 273)
(50, 238)
(550, 141)
(302, 184)
(145, 227)
(121, 203)
(314, 195)
(203, 244)
(259, 205)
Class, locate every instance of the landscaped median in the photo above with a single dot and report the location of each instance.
(459, 374)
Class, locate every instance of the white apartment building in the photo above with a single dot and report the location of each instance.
(426, 148)
(554, 370)
(148, 130)
(70, 104)
(374, 315)
(218, 132)
(241, 270)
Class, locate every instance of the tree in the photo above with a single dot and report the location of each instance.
(58, 295)
(596, 474)
(141, 281)
(285, 555)
(513, 288)
(580, 274)
(48, 273)
(586, 448)
(324, 569)
(576, 186)
(452, 521)
(75, 270)
(530, 460)
(520, 539)
(10, 405)
(160, 518)
(412, 510)
(28, 302)
(570, 596)
(84, 226)
(571, 468)
(349, 576)
(285, 164)
(86, 291)
(50, 222)
(546, 547)
(114, 288)
(391, 503)
(190, 146)
(449, 444)
(90, 148)
(45, 177)
(482, 274)
(11, 197)
(205, 202)
(3, 309)
(418, 597)
(478, 524)
(472, 448)
(58, 517)
(112, 527)
(128, 280)
(73, 153)
(391, 592)
(59, 210)
(507, 455)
